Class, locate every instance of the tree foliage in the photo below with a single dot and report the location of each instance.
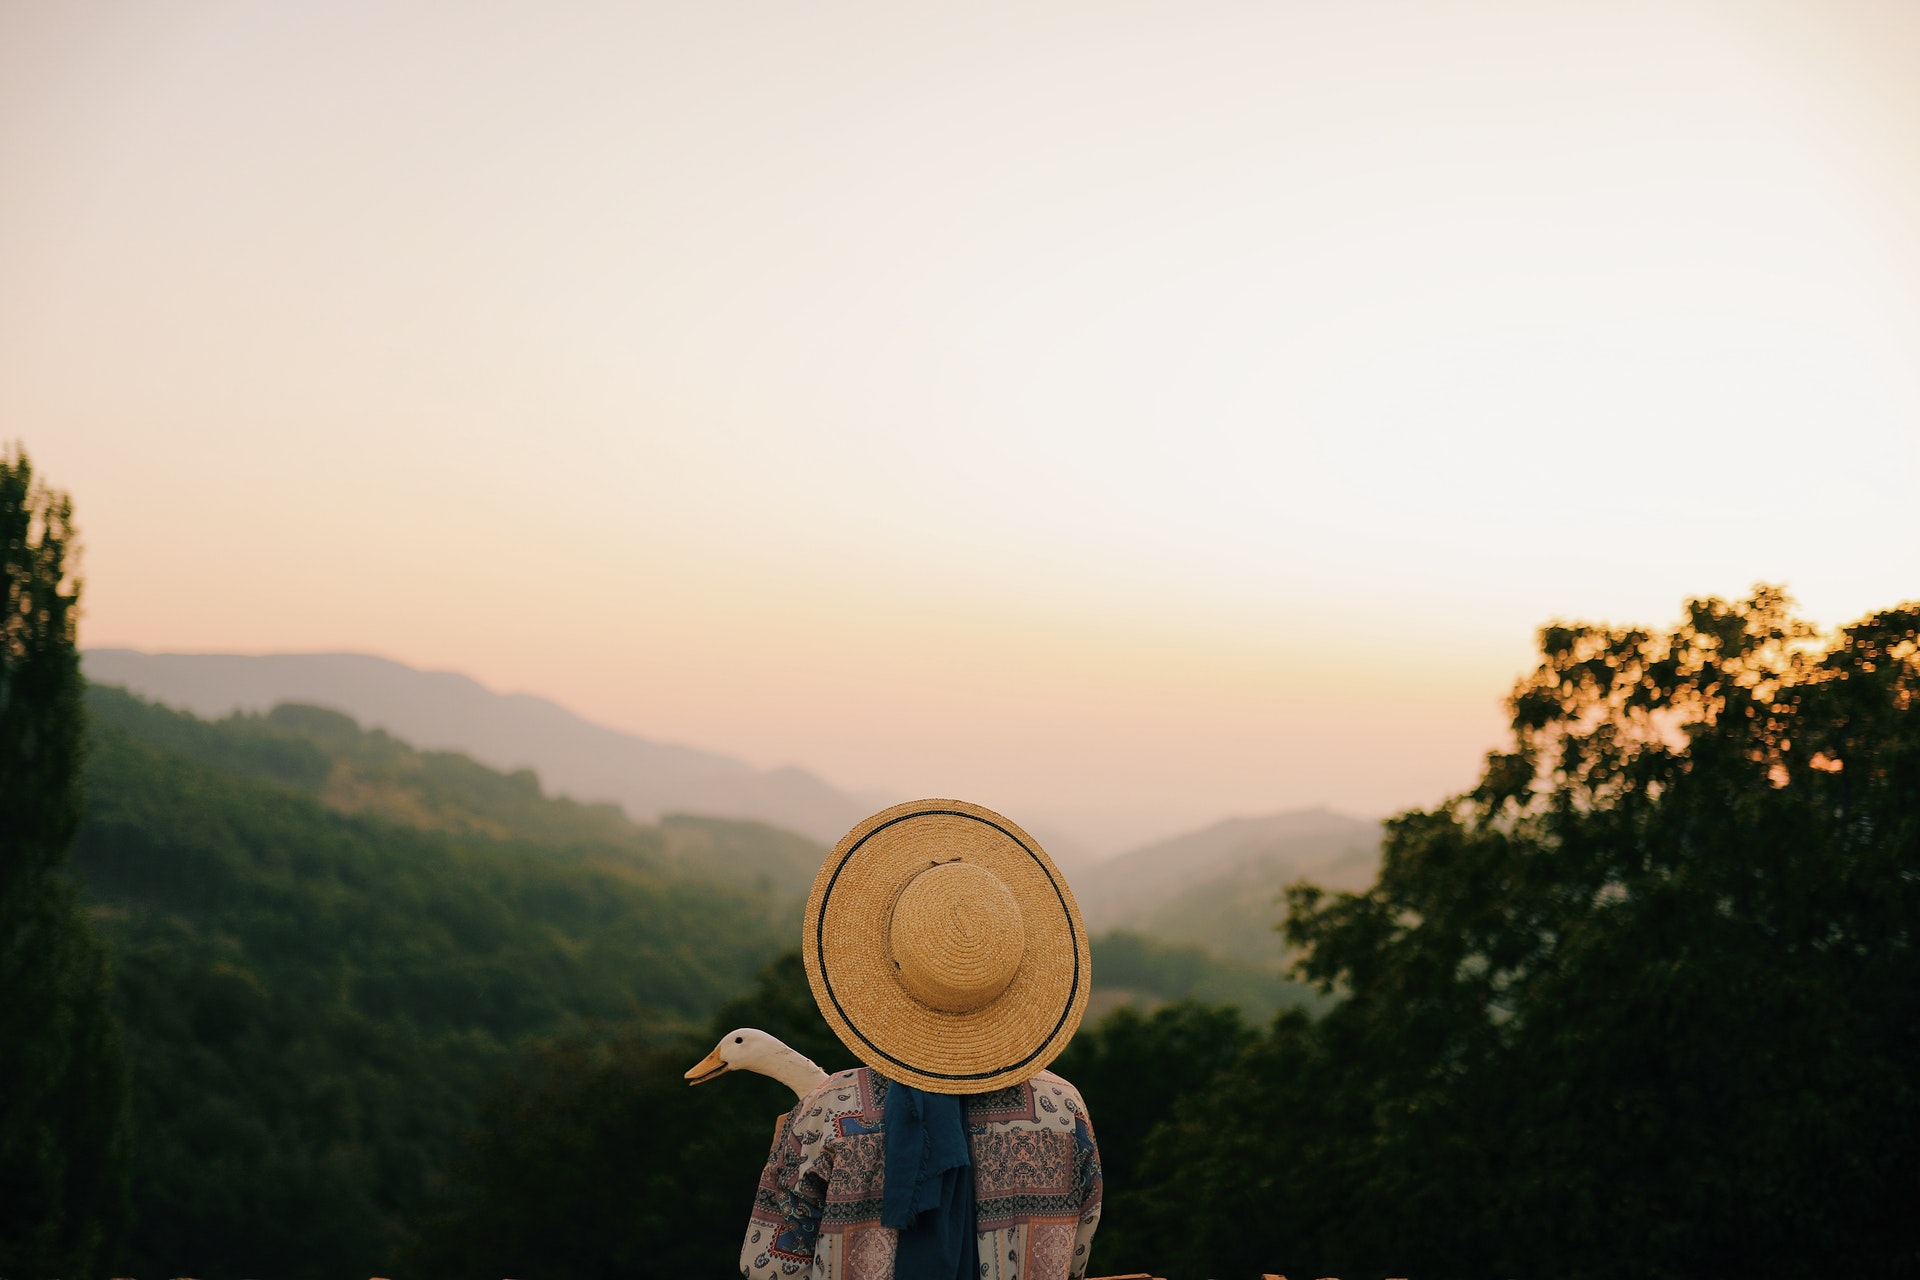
(1136, 1071)
(313, 997)
(62, 1094)
(1644, 1002)
(594, 1159)
(1129, 964)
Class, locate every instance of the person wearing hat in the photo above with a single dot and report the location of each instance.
(946, 952)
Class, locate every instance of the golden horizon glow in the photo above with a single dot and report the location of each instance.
(1123, 415)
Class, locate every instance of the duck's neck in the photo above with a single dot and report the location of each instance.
(794, 1070)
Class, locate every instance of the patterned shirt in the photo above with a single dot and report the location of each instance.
(1036, 1184)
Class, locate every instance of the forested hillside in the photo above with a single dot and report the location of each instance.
(327, 945)
(453, 712)
(1218, 888)
(1134, 970)
(324, 942)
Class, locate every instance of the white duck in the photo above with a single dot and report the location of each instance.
(749, 1049)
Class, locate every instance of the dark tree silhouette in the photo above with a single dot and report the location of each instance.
(62, 1085)
(1644, 1002)
(594, 1159)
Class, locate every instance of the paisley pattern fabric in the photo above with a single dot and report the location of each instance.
(1037, 1184)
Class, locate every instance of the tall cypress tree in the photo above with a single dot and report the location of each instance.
(62, 1081)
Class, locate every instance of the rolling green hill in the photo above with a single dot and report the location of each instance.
(446, 710)
(368, 772)
(1143, 973)
(1219, 888)
(325, 941)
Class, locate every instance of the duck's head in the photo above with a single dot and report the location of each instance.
(742, 1049)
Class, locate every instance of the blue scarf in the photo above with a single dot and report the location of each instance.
(928, 1191)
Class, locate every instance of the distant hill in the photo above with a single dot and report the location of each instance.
(324, 942)
(1130, 969)
(1213, 888)
(370, 773)
(1216, 888)
(448, 711)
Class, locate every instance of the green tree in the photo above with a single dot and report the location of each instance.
(62, 1085)
(1135, 1071)
(594, 1159)
(1644, 1002)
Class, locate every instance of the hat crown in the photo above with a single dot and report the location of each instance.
(944, 948)
(956, 936)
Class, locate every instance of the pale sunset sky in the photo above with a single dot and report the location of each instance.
(1123, 415)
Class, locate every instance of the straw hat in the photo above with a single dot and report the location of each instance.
(945, 948)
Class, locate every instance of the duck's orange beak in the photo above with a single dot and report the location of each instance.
(707, 1068)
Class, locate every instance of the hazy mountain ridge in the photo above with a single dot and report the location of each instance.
(446, 711)
(369, 773)
(1217, 888)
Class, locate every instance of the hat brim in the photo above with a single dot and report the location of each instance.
(858, 986)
